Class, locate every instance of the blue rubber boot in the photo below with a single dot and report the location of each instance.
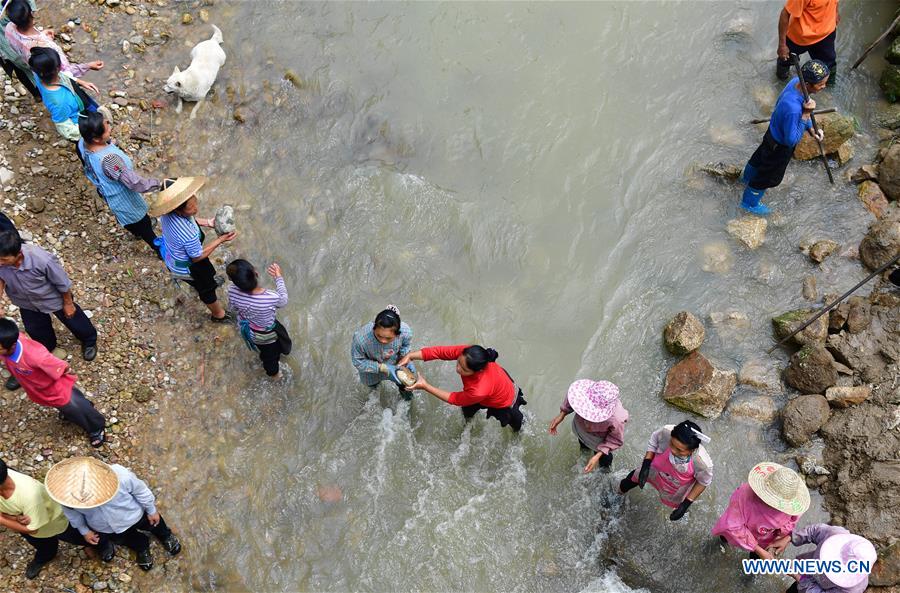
(751, 201)
(747, 175)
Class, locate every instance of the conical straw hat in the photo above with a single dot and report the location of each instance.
(779, 487)
(81, 483)
(176, 194)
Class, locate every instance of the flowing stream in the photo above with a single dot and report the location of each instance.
(512, 174)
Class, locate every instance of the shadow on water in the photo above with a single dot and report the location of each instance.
(514, 174)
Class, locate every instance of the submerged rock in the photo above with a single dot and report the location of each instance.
(838, 129)
(760, 374)
(811, 370)
(761, 408)
(694, 384)
(717, 257)
(727, 171)
(815, 333)
(684, 333)
(734, 320)
(809, 288)
(749, 230)
(802, 417)
(844, 397)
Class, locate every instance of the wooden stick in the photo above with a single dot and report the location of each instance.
(817, 112)
(796, 60)
(832, 305)
(876, 42)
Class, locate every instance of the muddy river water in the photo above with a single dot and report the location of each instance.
(513, 174)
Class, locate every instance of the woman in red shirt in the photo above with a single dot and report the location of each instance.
(486, 384)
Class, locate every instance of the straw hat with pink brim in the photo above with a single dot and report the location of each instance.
(176, 194)
(595, 401)
(81, 483)
(779, 487)
(846, 547)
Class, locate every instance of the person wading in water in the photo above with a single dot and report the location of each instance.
(377, 348)
(789, 120)
(486, 385)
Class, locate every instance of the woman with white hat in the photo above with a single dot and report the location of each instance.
(763, 512)
(833, 544)
(599, 420)
(108, 504)
(184, 253)
(676, 464)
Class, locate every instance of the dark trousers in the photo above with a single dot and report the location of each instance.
(40, 327)
(823, 50)
(769, 163)
(143, 229)
(511, 416)
(133, 538)
(82, 412)
(270, 354)
(23, 77)
(45, 548)
(605, 459)
(203, 280)
(792, 588)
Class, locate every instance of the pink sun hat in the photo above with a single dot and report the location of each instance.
(595, 401)
(846, 547)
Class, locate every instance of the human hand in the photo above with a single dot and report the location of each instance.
(153, 519)
(644, 473)
(783, 52)
(228, 237)
(404, 361)
(779, 545)
(555, 422)
(69, 310)
(274, 270)
(92, 538)
(420, 384)
(88, 85)
(819, 135)
(809, 105)
(50, 33)
(592, 463)
(23, 519)
(679, 512)
(96, 65)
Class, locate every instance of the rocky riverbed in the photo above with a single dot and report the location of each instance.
(145, 354)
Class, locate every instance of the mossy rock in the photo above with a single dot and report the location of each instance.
(785, 323)
(893, 52)
(890, 82)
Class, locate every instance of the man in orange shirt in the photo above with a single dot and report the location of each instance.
(808, 26)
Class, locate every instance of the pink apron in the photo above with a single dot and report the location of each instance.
(672, 485)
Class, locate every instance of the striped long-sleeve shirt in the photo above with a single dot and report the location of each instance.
(366, 352)
(258, 309)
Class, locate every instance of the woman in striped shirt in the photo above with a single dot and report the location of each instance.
(185, 255)
(255, 307)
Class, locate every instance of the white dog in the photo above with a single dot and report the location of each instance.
(194, 83)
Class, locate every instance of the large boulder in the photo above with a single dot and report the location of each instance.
(694, 384)
(859, 314)
(882, 243)
(684, 333)
(811, 370)
(838, 129)
(890, 82)
(889, 173)
(886, 572)
(815, 333)
(749, 230)
(844, 397)
(872, 198)
(802, 417)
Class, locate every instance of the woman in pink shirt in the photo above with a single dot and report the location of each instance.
(762, 513)
(599, 420)
(486, 384)
(22, 36)
(677, 465)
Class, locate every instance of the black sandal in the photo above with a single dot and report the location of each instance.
(97, 441)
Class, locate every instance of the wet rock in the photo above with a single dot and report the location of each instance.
(224, 221)
(859, 314)
(889, 172)
(886, 572)
(727, 171)
(893, 53)
(294, 78)
(809, 466)
(684, 333)
(822, 249)
(811, 370)
(838, 130)
(749, 230)
(239, 116)
(761, 408)
(802, 417)
(864, 173)
(726, 134)
(872, 198)
(187, 19)
(694, 384)
(815, 333)
(734, 320)
(329, 493)
(809, 288)
(837, 317)
(844, 154)
(35, 204)
(760, 374)
(860, 352)
(890, 82)
(717, 257)
(844, 397)
(882, 243)
(765, 97)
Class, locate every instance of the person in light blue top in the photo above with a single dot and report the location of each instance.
(112, 173)
(110, 506)
(64, 96)
(790, 119)
(378, 346)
